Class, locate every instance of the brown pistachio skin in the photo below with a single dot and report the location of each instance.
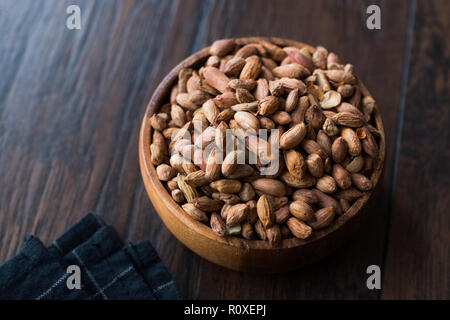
(342, 177)
(328, 147)
(339, 150)
(301, 210)
(361, 182)
(305, 195)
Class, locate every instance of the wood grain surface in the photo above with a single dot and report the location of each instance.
(71, 102)
(417, 265)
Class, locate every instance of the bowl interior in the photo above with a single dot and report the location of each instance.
(161, 96)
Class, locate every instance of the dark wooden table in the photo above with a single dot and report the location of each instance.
(71, 103)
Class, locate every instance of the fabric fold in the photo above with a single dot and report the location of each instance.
(108, 270)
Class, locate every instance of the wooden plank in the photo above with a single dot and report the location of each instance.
(71, 104)
(377, 57)
(417, 265)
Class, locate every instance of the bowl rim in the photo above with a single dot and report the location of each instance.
(150, 177)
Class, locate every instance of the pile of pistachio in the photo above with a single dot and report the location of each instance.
(320, 123)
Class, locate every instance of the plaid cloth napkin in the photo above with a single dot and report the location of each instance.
(108, 270)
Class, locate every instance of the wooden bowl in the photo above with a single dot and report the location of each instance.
(232, 252)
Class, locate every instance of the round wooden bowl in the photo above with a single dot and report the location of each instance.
(232, 252)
